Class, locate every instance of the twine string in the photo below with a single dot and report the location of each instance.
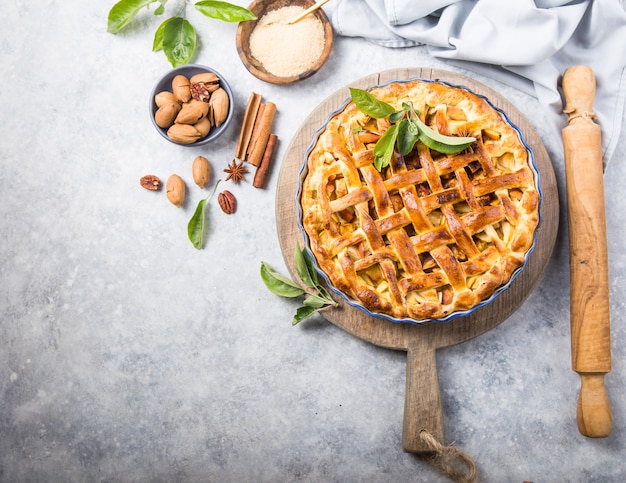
(572, 114)
(450, 460)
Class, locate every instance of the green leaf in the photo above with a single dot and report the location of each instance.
(303, 313)
(179, 41)
(408, 134)
(157, 44)
(123, 12)
(383, 150)
(310, 264)
(195, 227)
(396, 116)
(443, 147)
(314, 301)
(160, 10)
(278, 284)
(197, 223)
(304, 267)
(224, 11)
(440, 142)
(368, 104)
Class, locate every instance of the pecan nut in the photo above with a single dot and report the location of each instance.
(203, 126)
(166, 114)
(219, 106)
(227, 202)
(165, 97)
(201, 171)
(175, 190)
(150, 182)
(202, 85)
(181, 88)
(192, 112)
(204, 78)
(200, 92)
(183, 133)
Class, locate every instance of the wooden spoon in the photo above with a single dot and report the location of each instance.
(308, 11)
(589, 304)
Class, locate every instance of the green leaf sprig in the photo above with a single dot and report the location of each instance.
(175, 36)
(196, 227)
(316, 297)
(405, 130)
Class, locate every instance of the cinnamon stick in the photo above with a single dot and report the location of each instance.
(260, 177)
(247, 125)
(259, 141)
(255, 129)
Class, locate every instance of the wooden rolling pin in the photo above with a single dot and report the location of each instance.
(589, 304)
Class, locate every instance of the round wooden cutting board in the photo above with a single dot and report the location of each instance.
(422, 409)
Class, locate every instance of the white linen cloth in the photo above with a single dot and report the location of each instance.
(524, 43)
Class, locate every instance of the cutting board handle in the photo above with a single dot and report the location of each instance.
(422, 400)
(422, 430)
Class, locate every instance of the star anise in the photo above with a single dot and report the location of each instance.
(236, 172)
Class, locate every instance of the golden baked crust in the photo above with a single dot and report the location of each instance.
(431, 234)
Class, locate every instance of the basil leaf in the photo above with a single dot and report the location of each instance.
(195, 227)
(157, 43)
(179, 41)
(408, 134)
(383, 150)
(160, 10)
(123, 12)
(304, 267)
(303, 313)
(224, 11)
(369, 105)
(278, 284)
(440, 142)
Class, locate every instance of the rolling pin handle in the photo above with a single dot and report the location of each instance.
(579, 90)
(594, 410)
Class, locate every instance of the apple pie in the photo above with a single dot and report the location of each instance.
(412, 223)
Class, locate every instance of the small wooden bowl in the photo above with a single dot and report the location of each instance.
(260, 8)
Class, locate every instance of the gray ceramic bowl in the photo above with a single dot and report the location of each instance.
(165, 84)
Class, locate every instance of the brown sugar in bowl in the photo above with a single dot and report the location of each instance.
(245, 29)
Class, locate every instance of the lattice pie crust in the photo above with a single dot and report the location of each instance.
(431, 234)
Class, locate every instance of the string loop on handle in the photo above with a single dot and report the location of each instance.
(450, 460)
